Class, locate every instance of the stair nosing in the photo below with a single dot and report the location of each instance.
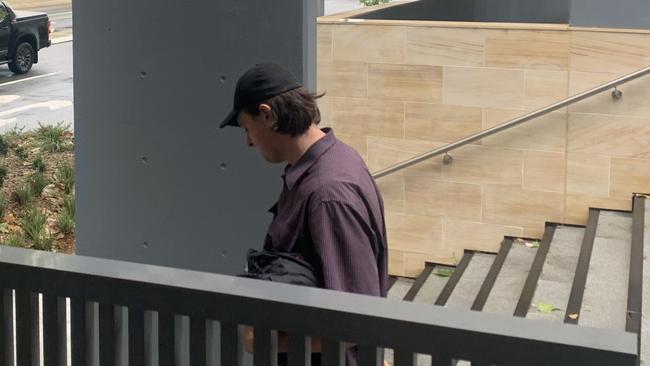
(528, 292)
(493, 273)
(446, 292)
(419, 282)
(391, 281)
(635, 284)
(582, 268)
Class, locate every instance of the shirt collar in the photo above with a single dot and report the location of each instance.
(292, 173)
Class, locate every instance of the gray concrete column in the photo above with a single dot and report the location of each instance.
(157, 181)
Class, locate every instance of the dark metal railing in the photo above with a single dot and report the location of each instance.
(616, 94)
(106, 294)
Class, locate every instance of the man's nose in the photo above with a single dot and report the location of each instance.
(249, 142)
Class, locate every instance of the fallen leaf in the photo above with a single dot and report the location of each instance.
(573, 316)
(443, 272)
(547, 308)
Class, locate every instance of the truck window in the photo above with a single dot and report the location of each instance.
(4, 15)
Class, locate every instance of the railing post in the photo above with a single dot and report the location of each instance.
(54, 348)
(371, 356)
(26, 321)
(406, 358)
(166, 338)
(266, 347)
(197, 341)
(8, 341)
(78, 330)
(106, 334)
(333, 353)
(136, 336)
(299, 350)
(231, 347)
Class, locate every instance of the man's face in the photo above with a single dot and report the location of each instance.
(259, 133)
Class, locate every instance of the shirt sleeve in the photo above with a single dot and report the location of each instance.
(344, 243)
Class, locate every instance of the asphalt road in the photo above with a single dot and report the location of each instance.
(43, 95)
(61, 19)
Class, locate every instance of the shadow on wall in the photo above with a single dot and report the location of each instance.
(512, 11)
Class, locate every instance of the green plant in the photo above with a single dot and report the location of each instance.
(21, 153)
(22, 195)
(39, 164)
(65, 175)
(33, 224)
(3, 175)
(65, 220)
(52, 137)
(69, 204)
(3, 205)
(4, 145)
(15, 240)
(37, 182)
(12, 135)
(373, 2)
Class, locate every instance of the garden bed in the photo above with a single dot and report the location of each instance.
(37, 199)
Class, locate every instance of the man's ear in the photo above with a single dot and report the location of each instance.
(267, 112)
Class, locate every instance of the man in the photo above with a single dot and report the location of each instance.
(330, 211)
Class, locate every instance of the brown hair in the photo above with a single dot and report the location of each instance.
(294, 111)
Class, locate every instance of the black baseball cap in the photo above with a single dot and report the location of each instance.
(263, 81)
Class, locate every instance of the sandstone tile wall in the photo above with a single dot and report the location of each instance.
(397, 89)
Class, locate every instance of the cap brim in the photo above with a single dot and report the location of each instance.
(230, 120)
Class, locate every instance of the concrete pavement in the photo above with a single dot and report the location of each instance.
(43, 5)
(340, 6)
(331, 6)
(61, 16)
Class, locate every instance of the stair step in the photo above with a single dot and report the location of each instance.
(645, 325)
(400, 288)
(604, 303)
(505, 293)
(470, 281)
(556, 279)
(433, 285)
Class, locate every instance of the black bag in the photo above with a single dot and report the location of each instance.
(279, 267)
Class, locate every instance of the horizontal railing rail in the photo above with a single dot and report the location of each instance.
(97, 287)
(514, 122)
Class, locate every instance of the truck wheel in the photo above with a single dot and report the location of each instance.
(23, 59)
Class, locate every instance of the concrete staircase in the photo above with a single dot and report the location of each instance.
(591, 276)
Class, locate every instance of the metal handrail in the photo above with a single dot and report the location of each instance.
(514, 122)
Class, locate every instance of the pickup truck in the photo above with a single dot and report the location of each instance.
(22, 35)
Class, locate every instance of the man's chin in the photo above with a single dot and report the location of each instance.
(272, 160)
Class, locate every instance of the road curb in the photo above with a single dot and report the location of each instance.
(62, 39)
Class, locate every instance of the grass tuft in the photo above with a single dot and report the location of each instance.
(4, 203)
(33, 224)
(22, 195)
(15, 240)
(65, 175)
(4, 145)
(39, 164)
(52, 137)
(37, 182)
(3, 174)
(65, 220)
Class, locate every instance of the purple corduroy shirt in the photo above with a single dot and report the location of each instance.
(331, 212)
